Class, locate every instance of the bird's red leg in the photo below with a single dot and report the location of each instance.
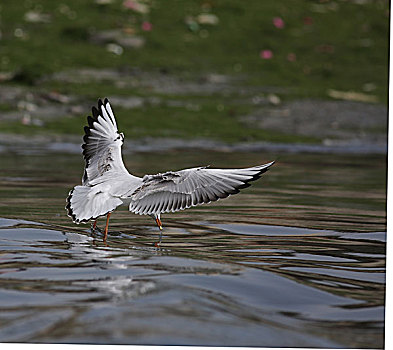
(106, 227)
(159, 224)
(94, 227)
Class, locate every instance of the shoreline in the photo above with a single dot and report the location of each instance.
(69, 144)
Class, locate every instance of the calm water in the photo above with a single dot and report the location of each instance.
(298, 259)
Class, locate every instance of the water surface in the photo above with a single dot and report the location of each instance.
(297, 259)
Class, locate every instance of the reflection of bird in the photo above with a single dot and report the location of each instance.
(106, 183)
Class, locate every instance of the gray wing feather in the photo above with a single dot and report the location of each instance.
(173, 191)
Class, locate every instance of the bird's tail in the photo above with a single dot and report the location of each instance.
(85, 203)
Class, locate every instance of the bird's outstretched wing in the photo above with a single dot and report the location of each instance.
(173, 191)
(105, 178)
(102, 145)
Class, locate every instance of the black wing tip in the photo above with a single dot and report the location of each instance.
(70, 212)
(100, 103)
(256, 176)
(245, 185)
(68, 207)
(104, 104)
(90, 121)
(85, 141)
(95, 113)
(270, 164)
(263, 170)
(87, 130)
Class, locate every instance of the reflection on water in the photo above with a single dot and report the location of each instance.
(297, 260)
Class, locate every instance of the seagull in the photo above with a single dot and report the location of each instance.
(106, 183)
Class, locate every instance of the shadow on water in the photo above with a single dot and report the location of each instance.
(297, 260)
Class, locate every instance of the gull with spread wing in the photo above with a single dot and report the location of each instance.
(106, 183)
